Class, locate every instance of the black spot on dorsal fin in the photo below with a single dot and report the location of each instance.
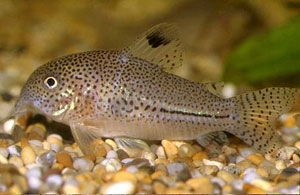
(156, 39)
(159, 45)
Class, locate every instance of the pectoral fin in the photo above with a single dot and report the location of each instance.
(85, 137)
(134, 147)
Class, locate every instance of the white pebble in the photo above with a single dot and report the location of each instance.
(82, 164)
(4, 152)
(8, 126)
(245, 152)
(211, 162)
(55, 147)
(55, 136)
(250, 175)
(112, 154)
(14, 150)
(111, 165)
(132, 169)
(34, 172)
(3, 160)
(239, 159)
(34, 183)
(124, 187)
(127, 160)
(238, 184)
(280, 165)
(54, 180)
(229, 90)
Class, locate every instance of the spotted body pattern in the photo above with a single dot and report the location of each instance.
(128, 93)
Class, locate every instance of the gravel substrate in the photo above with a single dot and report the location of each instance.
(43, 162)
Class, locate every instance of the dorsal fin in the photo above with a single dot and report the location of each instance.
(159, 45)
(215, 88)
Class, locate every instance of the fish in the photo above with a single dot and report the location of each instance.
(130, 95)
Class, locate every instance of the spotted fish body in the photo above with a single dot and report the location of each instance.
(129, 94)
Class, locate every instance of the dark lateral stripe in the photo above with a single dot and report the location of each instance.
(193, 114)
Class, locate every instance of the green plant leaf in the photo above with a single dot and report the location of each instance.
(270, 58)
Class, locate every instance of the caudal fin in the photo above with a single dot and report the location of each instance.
(257, 112)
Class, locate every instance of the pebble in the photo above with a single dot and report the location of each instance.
(28, 155)
(47, 158)
(170, 148)
(263, 184)
(111, 143)
(112, 165)
(245, 152)
(14, 150)
(123, 187)
(181, 170)
(3, 159)
(216, 163)
(250, 174)
(112, 154)
(297, 145)
(54, 181)
(280, 164)
(65, 159)
(159, 188)
(226, 176)
(198, 185)
(160, 152)
(8, 126)
(17, 161)
(124, 176)
(296, 158)
(4, 152)
(209, 170)
(233, 169)
(82, 164)
(34, 183)
(70, 189)
(255, 158)
(132, 169)
(200, 156)
(186, 151)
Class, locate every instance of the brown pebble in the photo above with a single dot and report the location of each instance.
(90, 157)
(170, 148)
(158, 174)
(28, 155)
(255, 158)
(198, 185)
(200, 156)
(65, 159)
(159, 188)
(124, 176)
(24, 142)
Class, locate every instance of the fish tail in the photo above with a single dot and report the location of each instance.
(256, 113)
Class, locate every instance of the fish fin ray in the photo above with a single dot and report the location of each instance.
(219, 137)
(134, 147)
(84, 137)
(215, 88)
(257, 117)
(159, 45)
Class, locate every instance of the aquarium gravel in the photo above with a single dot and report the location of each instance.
(43, 162)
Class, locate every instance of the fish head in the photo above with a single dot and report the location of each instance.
(48, 90)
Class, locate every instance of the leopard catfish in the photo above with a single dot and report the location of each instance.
(129, 95)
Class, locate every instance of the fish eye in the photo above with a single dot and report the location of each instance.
(51, 82)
